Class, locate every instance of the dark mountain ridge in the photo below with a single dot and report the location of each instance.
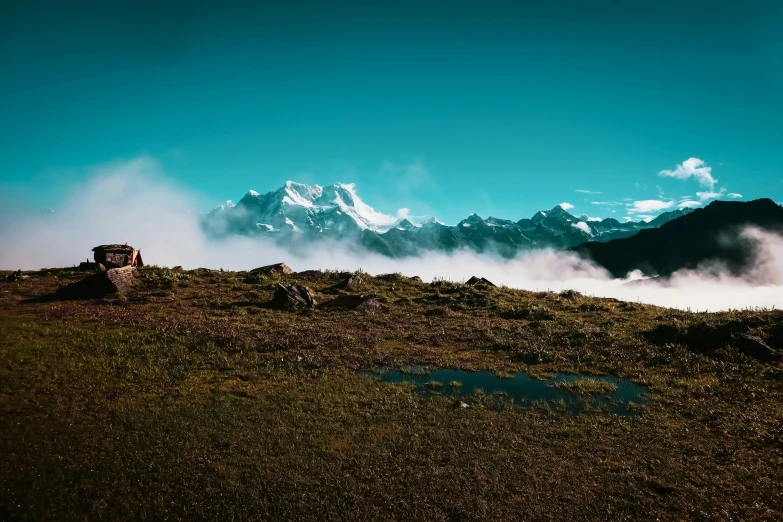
(708, 234)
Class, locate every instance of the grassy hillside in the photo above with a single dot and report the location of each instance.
(189, 398)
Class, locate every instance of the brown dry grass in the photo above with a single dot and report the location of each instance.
(188, 398)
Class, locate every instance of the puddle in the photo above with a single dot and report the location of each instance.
(615, 395)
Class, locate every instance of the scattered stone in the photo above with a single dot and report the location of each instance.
(354, 302)
(292, 298)
(461, 404)
(278, 268)
(479, 281)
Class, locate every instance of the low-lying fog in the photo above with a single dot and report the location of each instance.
(134, 202)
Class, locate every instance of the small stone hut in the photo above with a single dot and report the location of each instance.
(116, 256)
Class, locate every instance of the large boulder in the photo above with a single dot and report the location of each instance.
(120, 278)
(278, 268)
(100, 284)
(292, 298)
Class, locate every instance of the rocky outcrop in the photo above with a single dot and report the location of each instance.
(352, 282)
(476, 281)
(276, 269)
(292, 298)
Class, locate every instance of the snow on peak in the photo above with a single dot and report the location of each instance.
(434, 221)
(345, 198)
(299, 203)
(220, 208)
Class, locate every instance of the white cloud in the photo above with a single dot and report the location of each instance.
(591, 192)
(588, 218)
(646, 218)
(704, 196)
(734, 195)
(403, 213)
(584, 227)
(566, 206)
(649, 205)
(692, 167)
(689, 204)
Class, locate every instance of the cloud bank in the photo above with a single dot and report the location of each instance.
(692, 168)
(135, 202)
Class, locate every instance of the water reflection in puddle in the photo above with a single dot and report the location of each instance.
(606, 393)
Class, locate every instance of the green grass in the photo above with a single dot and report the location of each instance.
(587, 387)
(188, 398)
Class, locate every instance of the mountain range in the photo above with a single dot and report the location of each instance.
(297, 214)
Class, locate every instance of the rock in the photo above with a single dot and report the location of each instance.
(121, 278)
(353, 282)
(461, 404)
(279, 268)
(177, 268)
(754, 347)
(479, 281)
(99, 284)
(354, 302)
(416, 278)
(292, 298)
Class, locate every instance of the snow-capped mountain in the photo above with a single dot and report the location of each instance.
(296, 207)
(297, 213)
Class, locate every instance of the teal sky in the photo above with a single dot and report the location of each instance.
(445, 108)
